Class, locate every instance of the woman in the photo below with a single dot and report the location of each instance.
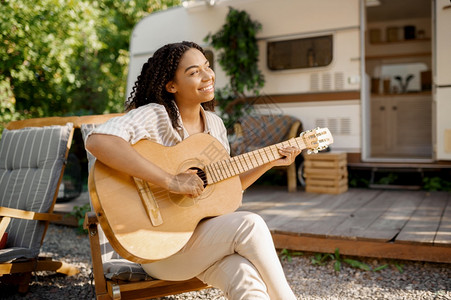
(172, 99)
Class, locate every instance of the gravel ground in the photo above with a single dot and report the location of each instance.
(399, 280)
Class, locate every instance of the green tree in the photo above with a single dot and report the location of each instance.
(65, 57)
(41, 40)
(114, 28)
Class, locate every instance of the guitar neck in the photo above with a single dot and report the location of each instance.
(239, 164)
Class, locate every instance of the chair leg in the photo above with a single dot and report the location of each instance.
(291, 178)
(17, 282)
(24, 282)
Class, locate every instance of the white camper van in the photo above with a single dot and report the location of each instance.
(377, 73)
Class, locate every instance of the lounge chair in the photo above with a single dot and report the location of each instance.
(32, 161)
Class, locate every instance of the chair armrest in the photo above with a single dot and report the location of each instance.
(238, 130)
(28, 215)
(4, 222)
(90, 219)
(294, 130)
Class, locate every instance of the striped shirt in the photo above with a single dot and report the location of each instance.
(152, 122)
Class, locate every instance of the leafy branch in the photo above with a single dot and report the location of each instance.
(238, 57)
(79, 212)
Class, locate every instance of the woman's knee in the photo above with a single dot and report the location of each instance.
(237, 278)
(252, 219)
(254, 222)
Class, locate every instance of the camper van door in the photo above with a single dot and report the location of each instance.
(442, 79)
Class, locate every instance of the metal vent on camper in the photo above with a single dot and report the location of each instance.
(337, 126)
(345, 126)
(314, 82)
(331, 123)
(327, 81)
(321, 123)
(339, 79)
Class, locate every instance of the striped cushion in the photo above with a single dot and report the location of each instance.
(122, 269)
(31, 160)
(107, 251)
(114, 266)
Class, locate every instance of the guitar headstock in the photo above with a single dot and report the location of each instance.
(317, 139)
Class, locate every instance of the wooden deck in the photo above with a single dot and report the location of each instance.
(395, 224)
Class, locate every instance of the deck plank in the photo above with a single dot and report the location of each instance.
(388, 225)
(281, 204)
(286, 211)
(443, 237)
(304, 221)
(354, 226)
(256, 201)
(423, 224)
(302, 212)
(338, 211)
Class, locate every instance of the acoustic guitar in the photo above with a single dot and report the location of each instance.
(145, 223)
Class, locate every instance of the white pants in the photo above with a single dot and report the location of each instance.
(235, 253)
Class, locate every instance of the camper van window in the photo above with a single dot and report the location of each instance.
(301, 53)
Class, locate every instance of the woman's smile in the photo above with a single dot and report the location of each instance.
(209, 88)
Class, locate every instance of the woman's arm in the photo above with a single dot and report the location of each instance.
(289, 155)
(120, 155)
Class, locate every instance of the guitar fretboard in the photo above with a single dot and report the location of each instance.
(239, 164)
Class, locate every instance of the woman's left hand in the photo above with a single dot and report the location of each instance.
(288, 156)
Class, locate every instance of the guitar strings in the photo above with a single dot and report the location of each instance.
(223, 169)
(227, 168)
(159, 192)
(245, 161)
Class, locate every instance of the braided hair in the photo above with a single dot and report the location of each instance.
(159, 69)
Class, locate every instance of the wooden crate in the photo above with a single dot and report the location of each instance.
(330, 157)
(326, 189)
(326, 173)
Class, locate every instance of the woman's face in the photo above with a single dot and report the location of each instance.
(194, 80)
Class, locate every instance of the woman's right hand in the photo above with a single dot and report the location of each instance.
(186, 183)
(120, 155)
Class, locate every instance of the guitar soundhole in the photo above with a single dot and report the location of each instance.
(186, 201)
(201, 174)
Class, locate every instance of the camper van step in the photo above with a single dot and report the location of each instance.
(395, 187)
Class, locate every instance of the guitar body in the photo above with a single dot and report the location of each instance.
(124, 219)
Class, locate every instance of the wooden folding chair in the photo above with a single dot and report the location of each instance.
(32, 161)
(122, 279)
(114, 276)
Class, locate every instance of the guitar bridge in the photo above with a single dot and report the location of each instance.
(148, 201)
